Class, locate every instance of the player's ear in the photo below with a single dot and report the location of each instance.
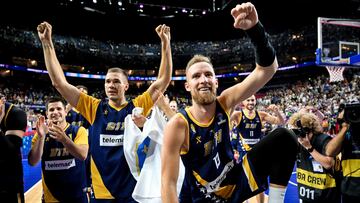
(187, 87)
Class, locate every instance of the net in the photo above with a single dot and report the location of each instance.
(338, 39)
(336, 73)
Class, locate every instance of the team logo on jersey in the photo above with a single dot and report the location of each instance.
(221, 119)
(192, 127)
(208, 147)
(198, 139)
(111, 140)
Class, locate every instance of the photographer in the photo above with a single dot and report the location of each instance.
(347, 142)
(315, 171)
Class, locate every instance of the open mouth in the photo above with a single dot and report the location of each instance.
(204, 89)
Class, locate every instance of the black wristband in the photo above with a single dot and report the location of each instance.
(264, 51)
(311, 149)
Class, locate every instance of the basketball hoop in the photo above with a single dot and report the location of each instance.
(336, 73)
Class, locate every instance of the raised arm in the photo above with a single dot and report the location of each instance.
(68, 91)
(174, 136)
(165, 70)
(333, 148)
(37, 146)
(325, 161)
(246, 18)
(278, 119)
(163, 104)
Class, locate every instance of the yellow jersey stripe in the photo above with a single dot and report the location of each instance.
(100, 190)
(247, 170)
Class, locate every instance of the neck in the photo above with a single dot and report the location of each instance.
(117, 103)
(249, 111)
(63, 124)
(203, 113)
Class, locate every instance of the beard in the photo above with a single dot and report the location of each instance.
(250, 107)
(204, 98)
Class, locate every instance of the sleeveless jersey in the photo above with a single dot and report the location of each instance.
(211, 173)
(63, 174)
(247, 132)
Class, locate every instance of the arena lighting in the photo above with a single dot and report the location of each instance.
(141, 78)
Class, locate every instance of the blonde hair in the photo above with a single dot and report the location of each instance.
(308, 120)
(197, 59)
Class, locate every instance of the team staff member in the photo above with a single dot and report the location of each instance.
(316, 173)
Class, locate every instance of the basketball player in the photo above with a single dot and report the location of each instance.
(247, 128)
(12, 129)
(111, 177)
(62, 148)
(201, 133)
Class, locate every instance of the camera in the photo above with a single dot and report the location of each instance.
(352, 113)
(300, 131)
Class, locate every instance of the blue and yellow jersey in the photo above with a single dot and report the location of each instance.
(75, 118)
(247, 131)
(211, 173)
(111, 177)
(63, 174)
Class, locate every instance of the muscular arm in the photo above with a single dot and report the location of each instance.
(174, 136)
(165, 70)
(235, 117)
(252, 83)
(68, 91)
(326, 161)
(278, 119)
(246, 18)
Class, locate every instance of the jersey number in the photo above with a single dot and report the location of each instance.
(307, 192)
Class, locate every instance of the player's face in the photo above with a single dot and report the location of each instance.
(201, 83)
(173, 106)
(56, 112)
(250, 103)
(115, 86)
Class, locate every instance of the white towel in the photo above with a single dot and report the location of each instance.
(148, 187)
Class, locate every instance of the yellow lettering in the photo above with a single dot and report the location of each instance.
(300, 176)
(110, 126)
(207, 147)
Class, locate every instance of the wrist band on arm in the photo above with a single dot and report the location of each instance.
(264, 51)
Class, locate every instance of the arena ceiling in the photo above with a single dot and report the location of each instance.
(133, 20)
